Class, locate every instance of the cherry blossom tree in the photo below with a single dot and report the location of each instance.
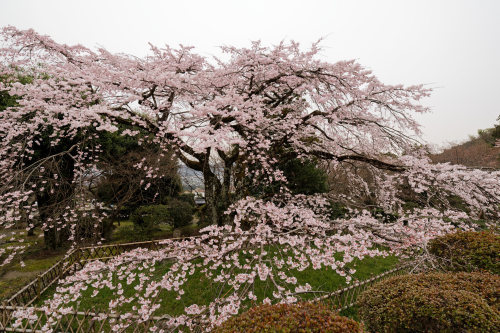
(229, 119)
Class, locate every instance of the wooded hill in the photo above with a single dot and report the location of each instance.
(478, 151)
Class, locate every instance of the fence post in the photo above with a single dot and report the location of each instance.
(38, 285)
(77, 260)
(4, 316)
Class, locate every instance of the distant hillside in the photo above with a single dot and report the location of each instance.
(476, 152)
(191, 179)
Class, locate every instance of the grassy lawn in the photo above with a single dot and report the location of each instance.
(199, 290)
(36, 259)
(14, 277)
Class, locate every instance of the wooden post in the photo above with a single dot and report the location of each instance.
(77, 260)
(38, 286)
(4, 315)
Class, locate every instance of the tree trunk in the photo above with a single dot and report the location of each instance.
(52, 205)
(217, 195)
(211, 200)
(48, 208)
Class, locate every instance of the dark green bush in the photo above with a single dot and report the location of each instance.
(147, 218)
(107, 228)
(302, 317)
(187, 197)
(203, 217)
(304, 176)
(336, 210)
(434, 302)
(468, 251)
(383, 216)
(181, 212)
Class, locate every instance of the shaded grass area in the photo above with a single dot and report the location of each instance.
(124, 232)
(200, 290)
(351, 312)
(35, 257)
(15, 277)
(9, 286)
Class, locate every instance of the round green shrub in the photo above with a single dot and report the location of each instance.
(187, 197)
(146, 218)
(468, 251)
(301, 317)
(434, 302)
(181, 212)
(203, 219)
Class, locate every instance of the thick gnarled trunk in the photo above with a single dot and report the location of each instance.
(52, 205)
(217, 191)
(217, 196)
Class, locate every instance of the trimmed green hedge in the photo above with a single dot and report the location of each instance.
(434, 302)
(301, 317)
(468, 251)
(146, 218)
(181, 212)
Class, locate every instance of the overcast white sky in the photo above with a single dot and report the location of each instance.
(452, 45)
